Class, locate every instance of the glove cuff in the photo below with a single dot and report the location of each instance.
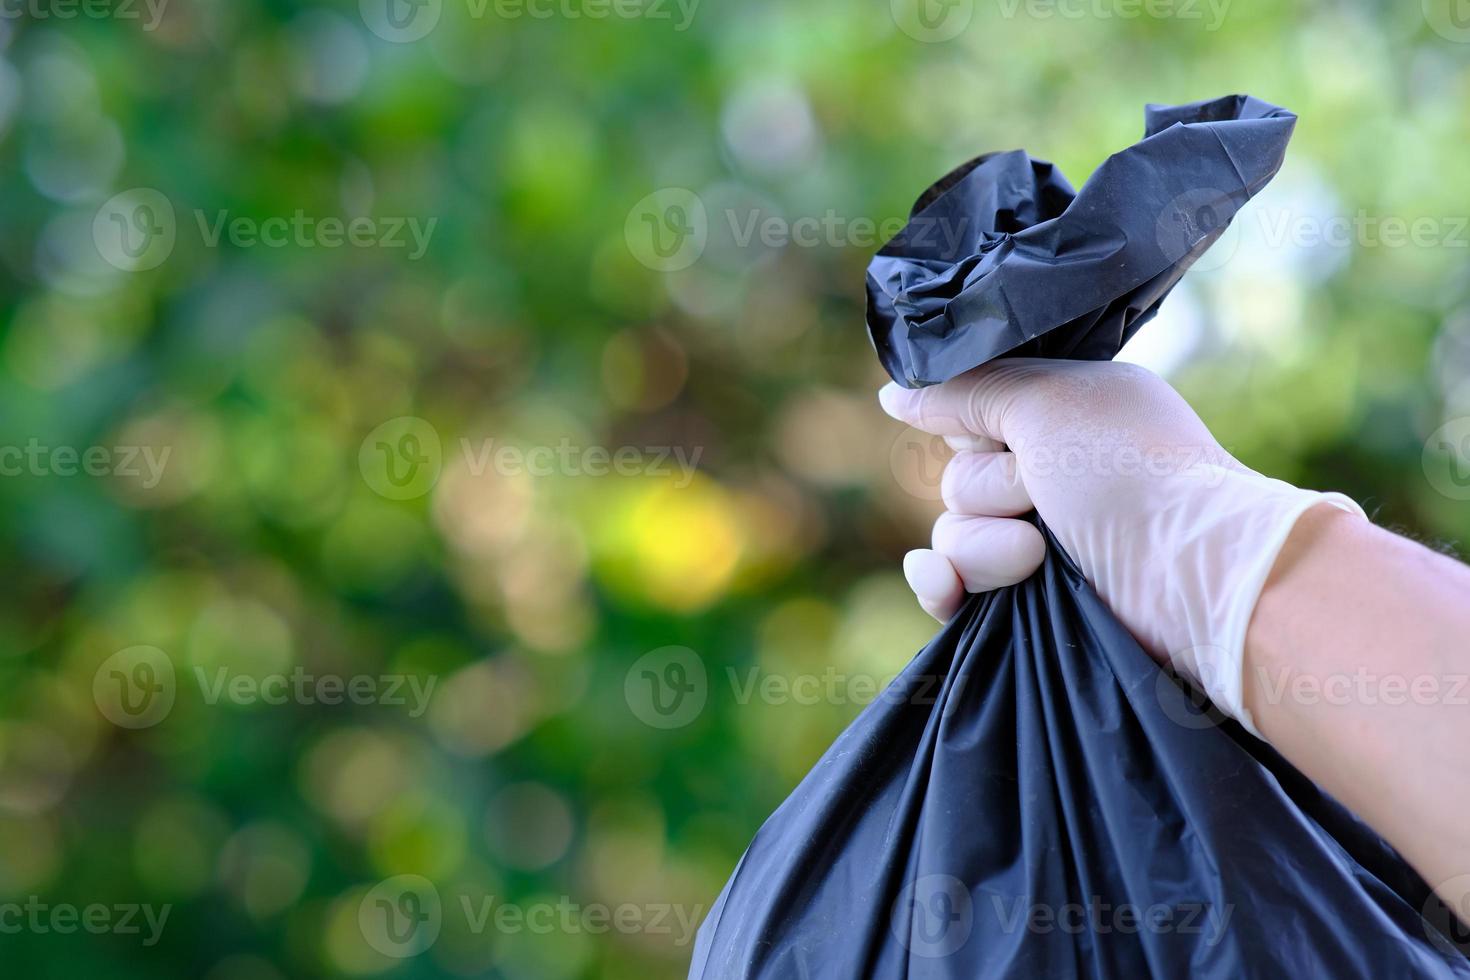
(1223, 571)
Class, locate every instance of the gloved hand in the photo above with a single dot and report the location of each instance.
(1175, 534)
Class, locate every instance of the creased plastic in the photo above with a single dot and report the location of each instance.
(1001, 257)
(1033, 796)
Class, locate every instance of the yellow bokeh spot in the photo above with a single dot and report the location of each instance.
(673, 545)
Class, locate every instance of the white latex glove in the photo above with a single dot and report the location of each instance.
(1175, 534)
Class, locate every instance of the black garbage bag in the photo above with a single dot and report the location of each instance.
(1001, 256)
(1033, 796)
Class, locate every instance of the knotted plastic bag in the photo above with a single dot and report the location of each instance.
(1001, 256)
(1033, 796)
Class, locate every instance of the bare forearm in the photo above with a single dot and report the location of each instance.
(1356, 670)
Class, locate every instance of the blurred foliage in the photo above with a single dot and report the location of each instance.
(268, 542)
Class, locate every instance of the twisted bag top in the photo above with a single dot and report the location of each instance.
(1002, 257)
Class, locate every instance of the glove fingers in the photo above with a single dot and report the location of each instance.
(935, 583)
(989, 552)
(974, 403)
(985, 484)
(944, 410)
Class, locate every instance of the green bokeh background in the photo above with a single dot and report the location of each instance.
(271, 541)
